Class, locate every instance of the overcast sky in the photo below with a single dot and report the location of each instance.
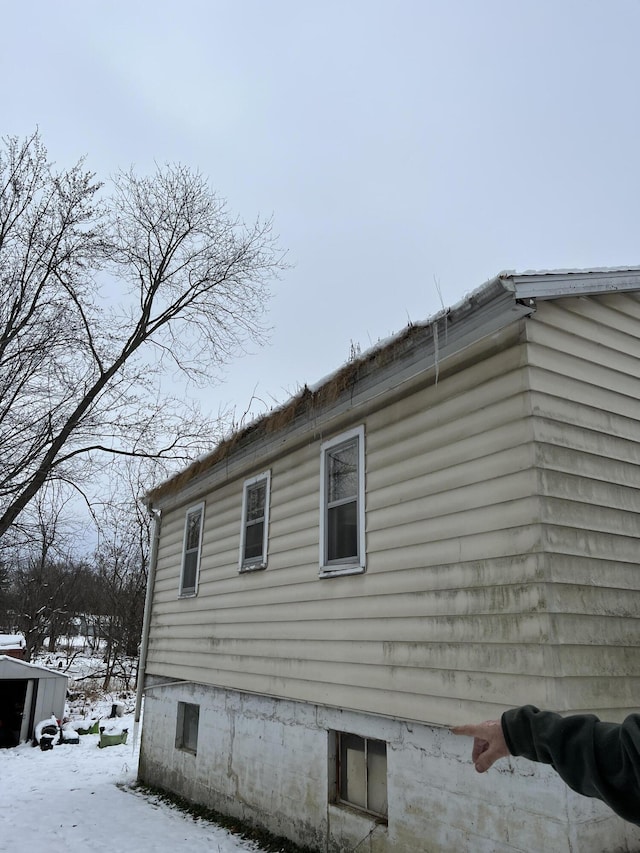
(396, 142)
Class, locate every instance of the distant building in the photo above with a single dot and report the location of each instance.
(446, 527)
(13, 645)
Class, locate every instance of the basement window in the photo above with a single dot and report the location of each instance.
(187, 727)
(361, 773)
(192, 546)
(255, 523)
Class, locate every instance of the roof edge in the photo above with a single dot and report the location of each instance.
(509, 295)
(554, 284)
(413, 350)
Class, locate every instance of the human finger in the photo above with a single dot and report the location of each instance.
(488, 757)
(479, 746)
(473, 730)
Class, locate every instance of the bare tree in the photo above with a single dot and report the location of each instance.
(46, 583)
(80, 370)
(121, 566)
(6, 616)
(121, 576)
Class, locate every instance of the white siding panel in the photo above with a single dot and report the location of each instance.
(422, 498)
(333, 681)
(621, 465)
(573, 422)
(339, 612)
(428, 464)
(503, 516)
(601, 492)
(586, 342)
(590, 383)
(597, 571)
(501, 451)
(437, 425)
(614, 328)
(462, 547)
(586, 406)
(502, 519)
(585, 395)
(488, 628)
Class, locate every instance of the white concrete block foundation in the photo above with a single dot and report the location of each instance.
(268, 762)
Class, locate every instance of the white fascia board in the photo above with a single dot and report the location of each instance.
(555, 284)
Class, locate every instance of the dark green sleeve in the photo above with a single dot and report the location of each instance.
(594, 758)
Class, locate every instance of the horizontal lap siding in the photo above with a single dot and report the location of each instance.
(585, 381)
(499, 569)
(452, 604)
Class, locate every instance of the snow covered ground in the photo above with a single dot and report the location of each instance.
(68, 800)
(75, 797)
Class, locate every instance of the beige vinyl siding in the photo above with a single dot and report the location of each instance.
(584, 356)
(449, 607)
(501, 539)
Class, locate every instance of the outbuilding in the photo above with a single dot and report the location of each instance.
(28, 693)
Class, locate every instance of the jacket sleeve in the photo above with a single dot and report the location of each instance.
(594, 758)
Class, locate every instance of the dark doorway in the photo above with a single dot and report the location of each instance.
(13, 693)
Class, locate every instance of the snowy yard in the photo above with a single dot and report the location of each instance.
(69, 800)
(76, 797)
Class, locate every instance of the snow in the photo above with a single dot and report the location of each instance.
(38, 666)
(77, 797)
(73, 798)
(51, 722)
(12, 641)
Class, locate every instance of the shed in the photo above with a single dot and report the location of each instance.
(28, 694)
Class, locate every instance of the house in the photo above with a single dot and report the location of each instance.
(28, 694)
(13, 645)
(446, 527)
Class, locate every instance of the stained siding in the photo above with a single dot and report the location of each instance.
(585, 366)
(501, 535)
(449, 608)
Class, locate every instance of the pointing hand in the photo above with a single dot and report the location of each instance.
(488, 743)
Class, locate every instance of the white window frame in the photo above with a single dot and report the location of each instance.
(186, 711)
(351, 565)
(259, 562)
(189, 592)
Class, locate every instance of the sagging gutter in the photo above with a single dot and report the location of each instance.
(156, 515)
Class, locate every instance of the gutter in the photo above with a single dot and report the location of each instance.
(146, 623)
(565, 283)
(480, 315)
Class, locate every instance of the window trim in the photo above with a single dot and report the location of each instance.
(181, 741)
(255, 563)
(352, 565)
(189, 592)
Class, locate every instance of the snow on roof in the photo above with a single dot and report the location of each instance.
(572, 271)
(12, 641)
(9, 664)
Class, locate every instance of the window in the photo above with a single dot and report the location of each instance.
(342, 544)
(187, 727)
(361, 773)
(191, 550)
(255, 523)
